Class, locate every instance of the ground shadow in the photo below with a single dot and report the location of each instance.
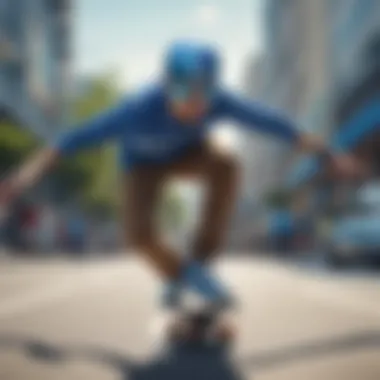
(313, 350)
(189, 362)
(184, 362)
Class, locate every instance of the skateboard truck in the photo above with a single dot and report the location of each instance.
(201, 327)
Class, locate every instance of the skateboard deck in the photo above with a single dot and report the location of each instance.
(201, 328)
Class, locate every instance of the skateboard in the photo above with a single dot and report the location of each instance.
(201, 327)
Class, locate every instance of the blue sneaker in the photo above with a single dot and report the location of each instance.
(199, 279)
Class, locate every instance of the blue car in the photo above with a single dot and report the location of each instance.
(356, 236)
(281, 227)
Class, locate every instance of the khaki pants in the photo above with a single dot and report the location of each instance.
(143, 187)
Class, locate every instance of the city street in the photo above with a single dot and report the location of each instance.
(100, 320)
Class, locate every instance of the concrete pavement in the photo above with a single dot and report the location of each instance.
(99, 320)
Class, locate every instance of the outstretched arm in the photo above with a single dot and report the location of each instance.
(94, 132)
(265, 120)
(268, 121)
(259, 118)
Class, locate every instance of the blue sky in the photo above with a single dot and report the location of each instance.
(130, 35)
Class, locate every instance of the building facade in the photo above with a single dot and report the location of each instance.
(353, 24)
(292, 75)
(298, 58)
(355, 55)
(353, 62)
(255, 149)
(352, 33)
(34, 62)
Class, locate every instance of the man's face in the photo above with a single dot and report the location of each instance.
(189, 105)
(189, 111)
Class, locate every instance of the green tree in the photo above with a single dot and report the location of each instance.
(15, 144)
(92, 174)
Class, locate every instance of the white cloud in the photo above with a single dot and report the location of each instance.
(208, 14)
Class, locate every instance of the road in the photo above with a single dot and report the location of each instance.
(100, 320)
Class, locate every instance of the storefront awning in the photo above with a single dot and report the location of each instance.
(362, 124)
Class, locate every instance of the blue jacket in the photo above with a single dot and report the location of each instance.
(147, 133)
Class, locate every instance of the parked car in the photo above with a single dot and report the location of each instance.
(355, 236)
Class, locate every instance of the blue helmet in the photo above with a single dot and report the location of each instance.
(189, 66)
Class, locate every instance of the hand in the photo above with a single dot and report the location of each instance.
(311, 144)
(346, 166)
(9, 190)
(342, 166)
(7, 195)
(26, 176)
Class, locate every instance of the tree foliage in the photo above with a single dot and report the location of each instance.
(15, 144)
(89, 176)
(92, 174)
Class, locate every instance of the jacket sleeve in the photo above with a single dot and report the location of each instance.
(96, 131)
(259, 118)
